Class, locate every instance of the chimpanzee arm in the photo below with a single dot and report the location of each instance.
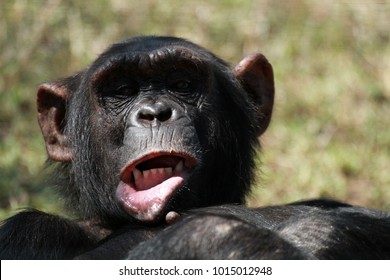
(216, 237)
(36, 235)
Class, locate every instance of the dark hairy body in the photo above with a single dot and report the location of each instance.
(153, 146)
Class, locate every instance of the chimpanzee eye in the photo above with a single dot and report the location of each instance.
(125, 90)
(115, 98)
(181, 85)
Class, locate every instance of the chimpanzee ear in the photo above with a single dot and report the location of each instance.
(256, 76)
(51, 104)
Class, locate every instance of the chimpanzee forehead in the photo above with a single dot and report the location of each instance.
(151, 50)
(169, 57)
(165, 54)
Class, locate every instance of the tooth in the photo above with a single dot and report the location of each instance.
(160, 170)
(154, 170)
(179, 166)
(168, 170)
(136, 174)
(146, 173)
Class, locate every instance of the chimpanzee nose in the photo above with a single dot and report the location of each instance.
(153, 114)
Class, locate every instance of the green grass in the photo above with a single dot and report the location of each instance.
(330, 134)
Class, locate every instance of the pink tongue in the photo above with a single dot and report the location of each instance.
(146, 196)
(146, 204)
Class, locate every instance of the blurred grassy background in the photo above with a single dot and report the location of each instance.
(330, 134)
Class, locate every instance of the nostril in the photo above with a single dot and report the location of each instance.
(146, 116)
(165, 115)
(158, 112)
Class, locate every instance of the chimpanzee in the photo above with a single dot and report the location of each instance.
(153, 146)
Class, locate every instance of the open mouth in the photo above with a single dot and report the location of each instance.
(148, 182)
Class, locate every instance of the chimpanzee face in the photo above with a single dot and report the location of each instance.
(155, 124)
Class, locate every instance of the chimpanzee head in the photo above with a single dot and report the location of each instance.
(156, 124)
